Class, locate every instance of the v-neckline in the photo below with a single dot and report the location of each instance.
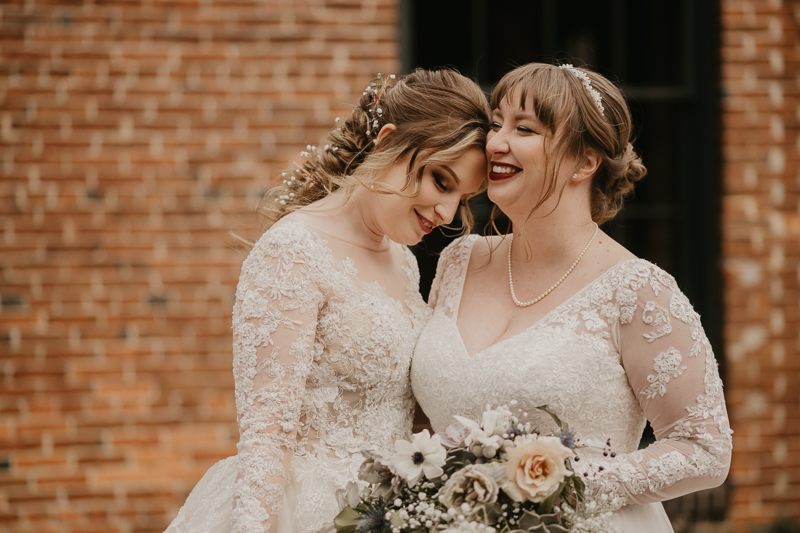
(464, 267)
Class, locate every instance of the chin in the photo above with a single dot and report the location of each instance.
(499, 196)
(405, 239)
(410, 242)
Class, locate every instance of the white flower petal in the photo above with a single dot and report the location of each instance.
(404, 447)
(431, 470)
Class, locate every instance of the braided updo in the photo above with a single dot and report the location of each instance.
(575, 123)
(439, 115)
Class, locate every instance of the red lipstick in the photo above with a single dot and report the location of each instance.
(499, 171)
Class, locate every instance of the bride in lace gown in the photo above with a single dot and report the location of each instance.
(605, 339)
(328, 308)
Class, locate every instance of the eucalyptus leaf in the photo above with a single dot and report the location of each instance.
(580, 488)
(346, 520)
(544, 522)
(457, 459)
(552, 528)
(547, 504)
(563, 425)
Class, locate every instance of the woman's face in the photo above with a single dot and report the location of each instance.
(443, 187)
(517, 157)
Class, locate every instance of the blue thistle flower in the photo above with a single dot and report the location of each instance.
(516, 430)
(374, 519)
(567, 439)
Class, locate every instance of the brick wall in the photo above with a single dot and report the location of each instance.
(761, 247)
(133, 137)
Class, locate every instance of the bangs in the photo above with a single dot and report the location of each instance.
(540, 84)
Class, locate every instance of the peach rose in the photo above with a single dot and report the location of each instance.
(535, 468)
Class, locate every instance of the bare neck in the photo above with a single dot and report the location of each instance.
(350, 220)
(552, 238)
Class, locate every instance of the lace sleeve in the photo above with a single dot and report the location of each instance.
(274, 323)
(450, 270)
(672, 370)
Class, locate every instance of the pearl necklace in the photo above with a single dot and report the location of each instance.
(556, 284)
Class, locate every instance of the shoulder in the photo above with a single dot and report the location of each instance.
(640, 282)
(288, 246)
(287, 267)
(452, 264)
(457, 253)
(290, 237)
(638, 274)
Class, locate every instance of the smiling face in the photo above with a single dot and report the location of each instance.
(529, 163)
(441, 190)
(517, 152)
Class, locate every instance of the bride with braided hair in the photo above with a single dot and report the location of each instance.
(328, 308)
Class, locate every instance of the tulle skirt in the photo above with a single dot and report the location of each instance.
(309, 501)
(649, 518)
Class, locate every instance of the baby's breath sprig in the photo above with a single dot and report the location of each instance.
(376, 88)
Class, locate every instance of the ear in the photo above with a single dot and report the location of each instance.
(591, 162)
(385, 131)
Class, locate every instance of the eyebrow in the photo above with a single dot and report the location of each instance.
(516, 112)
(453, 174)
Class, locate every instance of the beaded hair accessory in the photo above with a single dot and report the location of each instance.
(586, 83)
(376, 88)
(300, 177)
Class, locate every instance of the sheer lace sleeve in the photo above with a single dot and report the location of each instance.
(447, 285)
(274, 323)
(672, 370)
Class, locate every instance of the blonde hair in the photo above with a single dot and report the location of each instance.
(439, 115)
(575, 123)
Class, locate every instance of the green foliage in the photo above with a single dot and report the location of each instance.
(562, 425)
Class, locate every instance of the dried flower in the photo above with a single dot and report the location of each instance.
(475, 485)
(375, 468)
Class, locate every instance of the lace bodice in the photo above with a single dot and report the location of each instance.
(626, 348)
(321, 363)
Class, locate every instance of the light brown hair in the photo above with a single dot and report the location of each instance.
(439, 116)
(575, 123)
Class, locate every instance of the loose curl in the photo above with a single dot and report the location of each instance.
(575, 124)
(439, 115)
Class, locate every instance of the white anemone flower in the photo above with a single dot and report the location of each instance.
(424, 455)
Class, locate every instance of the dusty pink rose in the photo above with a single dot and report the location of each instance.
(535, 468)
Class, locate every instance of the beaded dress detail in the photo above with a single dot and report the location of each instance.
(626, 348)
(320, 362)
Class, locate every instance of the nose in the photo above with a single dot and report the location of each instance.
(496, 142)
(446, 210)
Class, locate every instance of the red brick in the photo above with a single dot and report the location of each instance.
(129, 376)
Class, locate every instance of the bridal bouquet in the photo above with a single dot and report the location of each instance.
(497, 476)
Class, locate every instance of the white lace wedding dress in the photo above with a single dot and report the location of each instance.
(321, 362)
(625, 348)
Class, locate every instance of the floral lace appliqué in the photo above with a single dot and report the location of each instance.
(658, 317)
(667, 366)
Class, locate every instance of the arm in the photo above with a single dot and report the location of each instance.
(672, 370)
(274, 324)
